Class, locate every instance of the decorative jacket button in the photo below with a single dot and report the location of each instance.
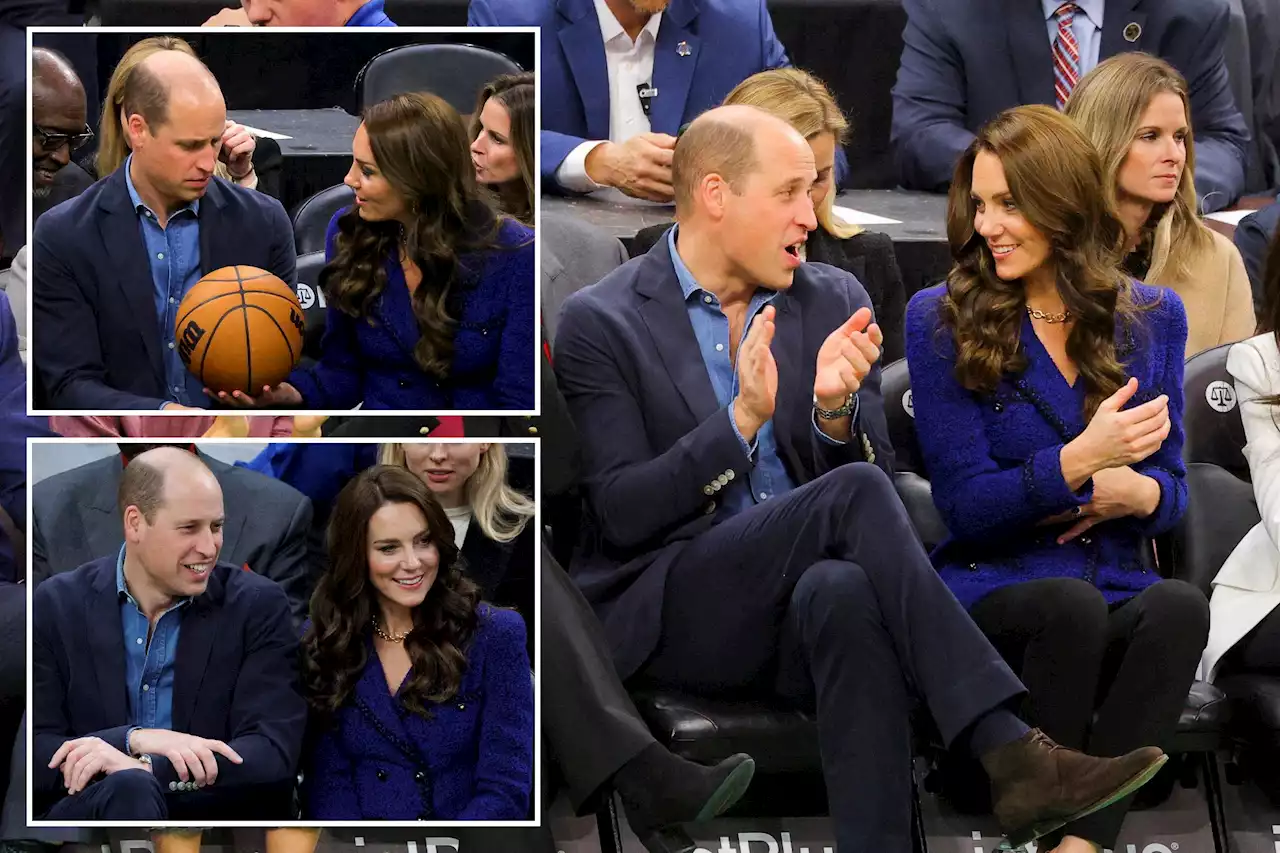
(173, 786)
(419, 776)
(999, 407)
(707, 490)
(729, 473)
(382, 775)
(1085, 540)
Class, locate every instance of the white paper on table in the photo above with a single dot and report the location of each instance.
(859, 217)
(1231, 217)
(265, 134)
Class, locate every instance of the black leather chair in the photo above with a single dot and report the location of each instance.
(454, 72)
(1221, 509)
(311, 218)
(309, 267)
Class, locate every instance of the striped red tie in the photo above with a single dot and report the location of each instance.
(1066, 54)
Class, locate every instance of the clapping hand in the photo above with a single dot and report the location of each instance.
(757, 376)
(846, 358)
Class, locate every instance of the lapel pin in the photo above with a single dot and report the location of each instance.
(683, 48)
(1132, 32)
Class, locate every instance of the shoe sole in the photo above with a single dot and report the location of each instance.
(729, 792)
(1024, 836)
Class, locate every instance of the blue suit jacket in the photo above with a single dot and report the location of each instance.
(653, 434)
(236, 680)
(1253, 238)
(993, 460)
(964, 61)
(94, 332)
(728, 41)
(493, 357)
(472, 760)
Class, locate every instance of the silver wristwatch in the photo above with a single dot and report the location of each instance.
(833, 414)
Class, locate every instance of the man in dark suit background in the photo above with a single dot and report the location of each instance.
(110, 268)
(1253, 238)
(742, 531)
(618, 82)
(75, 519)
(164, 682)
(60, 128)
(964, 61)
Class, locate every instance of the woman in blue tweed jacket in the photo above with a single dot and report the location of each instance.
(422, 698)
(1047, 392)
(430, 292)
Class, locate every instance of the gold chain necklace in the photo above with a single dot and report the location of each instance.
(390, 638)
(1037, 314)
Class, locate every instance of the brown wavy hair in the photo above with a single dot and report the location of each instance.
(335, 647)
(1056, 179)
(515, 93)
(420, 144)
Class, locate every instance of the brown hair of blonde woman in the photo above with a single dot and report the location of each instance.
(499, 510)
(113, 144)
(1108, 104)
(1055, 177)
(804, 102)
(516, 95)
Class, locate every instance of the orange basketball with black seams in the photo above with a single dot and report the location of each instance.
(240, 329)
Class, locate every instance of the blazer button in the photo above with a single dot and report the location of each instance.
(419, 776)
(999, 407)
(173, 786)
(729, 473)
(382, 775)
(1085, 540)
(707, 490)
(710, 508)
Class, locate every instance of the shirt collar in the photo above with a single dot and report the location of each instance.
(140, 206)
(122, 590)
(370, 13)
(610, 29)
(1092, 9)
(688, 285)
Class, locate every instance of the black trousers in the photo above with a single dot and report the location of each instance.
(126, 795)
(592, 727)
(1258, 650)
(824, 596)
(1104, 679)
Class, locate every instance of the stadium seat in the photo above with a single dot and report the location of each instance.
(311, 218)
(1221, 509)
(309, 267)
(454, 72)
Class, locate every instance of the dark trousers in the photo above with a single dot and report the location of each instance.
(1258, 650)
(125, 795)
(592, 728)
(1104, 679)
(825, 596)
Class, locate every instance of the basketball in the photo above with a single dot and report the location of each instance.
(240, 329)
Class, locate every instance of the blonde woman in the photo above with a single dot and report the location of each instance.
(804, 102)
(235, 160)
(1136, 111)
(491, 520)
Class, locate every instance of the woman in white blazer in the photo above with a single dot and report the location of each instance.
(1244, 624)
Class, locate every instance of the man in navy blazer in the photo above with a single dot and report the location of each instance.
(109, 268)
(964, 61)
(164, 683)
(1253, 238)
(700, 51)
(742, 531)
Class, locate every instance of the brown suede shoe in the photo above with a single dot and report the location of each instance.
(1038, 786)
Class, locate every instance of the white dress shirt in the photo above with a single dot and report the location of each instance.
(630, 65)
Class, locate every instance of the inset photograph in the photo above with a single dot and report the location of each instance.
(302, 220)
(293, 634)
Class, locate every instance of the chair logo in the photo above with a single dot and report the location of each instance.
(907, 404)
(306, 295)
(1220, 396)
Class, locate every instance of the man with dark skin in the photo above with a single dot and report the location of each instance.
(58, 119)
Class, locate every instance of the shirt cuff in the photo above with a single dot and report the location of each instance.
(572, 173)
(749, 447)
(853, 419)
